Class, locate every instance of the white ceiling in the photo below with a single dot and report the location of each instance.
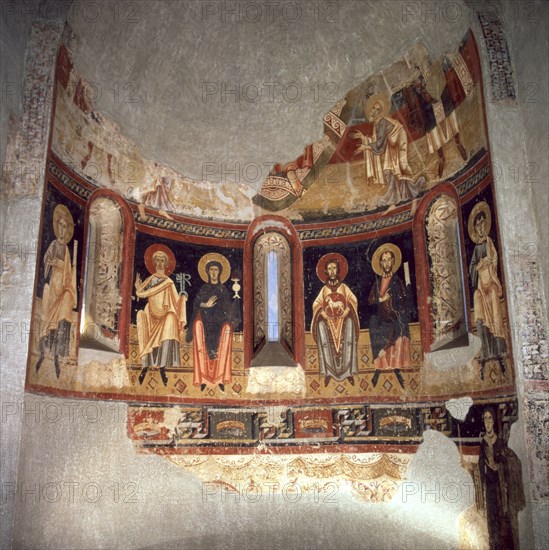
(175, 58)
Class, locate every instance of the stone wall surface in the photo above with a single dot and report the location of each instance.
(22, 177)
(519, 140)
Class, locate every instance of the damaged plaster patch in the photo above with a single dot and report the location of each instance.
(456, 357)
(101, 368)
(276, 380)
(437, 487)
(269, 224)
(275, 414)
(459, 408)
(464, 374)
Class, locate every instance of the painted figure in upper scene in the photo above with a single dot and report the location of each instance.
(212, 324)
(158, 198)
(437, 118)
(501, 482)
(335, 325)
(59, 296)
(483, 272)
(386, 155)
(389, 325)
(291, 169)
(161, 322)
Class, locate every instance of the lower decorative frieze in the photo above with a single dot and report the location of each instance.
(180, 429)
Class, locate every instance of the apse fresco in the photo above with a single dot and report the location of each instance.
(55, 331)
(486, 285)
(361, 310)
(186, 311)
(391, 139)
(366, 291)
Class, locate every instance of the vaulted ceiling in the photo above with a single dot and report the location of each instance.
(168, 71)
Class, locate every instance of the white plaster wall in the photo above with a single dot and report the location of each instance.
(529, 39)
(18, 234)
(80, 453)
(13, 39)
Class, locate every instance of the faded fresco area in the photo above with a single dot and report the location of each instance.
(94, 147)
(386, 143)
(391, 139)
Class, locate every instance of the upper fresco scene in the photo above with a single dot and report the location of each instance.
(390, 140)
(385, 143)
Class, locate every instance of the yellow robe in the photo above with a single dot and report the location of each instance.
(162, 317)
(487, 296)
(59, 295)
(394, 157)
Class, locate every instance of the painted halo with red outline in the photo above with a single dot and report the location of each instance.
(327, 258)
(149, 263)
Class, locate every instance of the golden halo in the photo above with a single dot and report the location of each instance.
(149, 262)
(384, 101)
(389, 247)
(214, 257)
(61, 211)
(332, 257)
(481, 206)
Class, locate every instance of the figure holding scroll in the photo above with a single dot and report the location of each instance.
(386, 155)
(389, 325)
(59, 296)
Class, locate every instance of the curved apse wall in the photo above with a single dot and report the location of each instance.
(337, 310)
